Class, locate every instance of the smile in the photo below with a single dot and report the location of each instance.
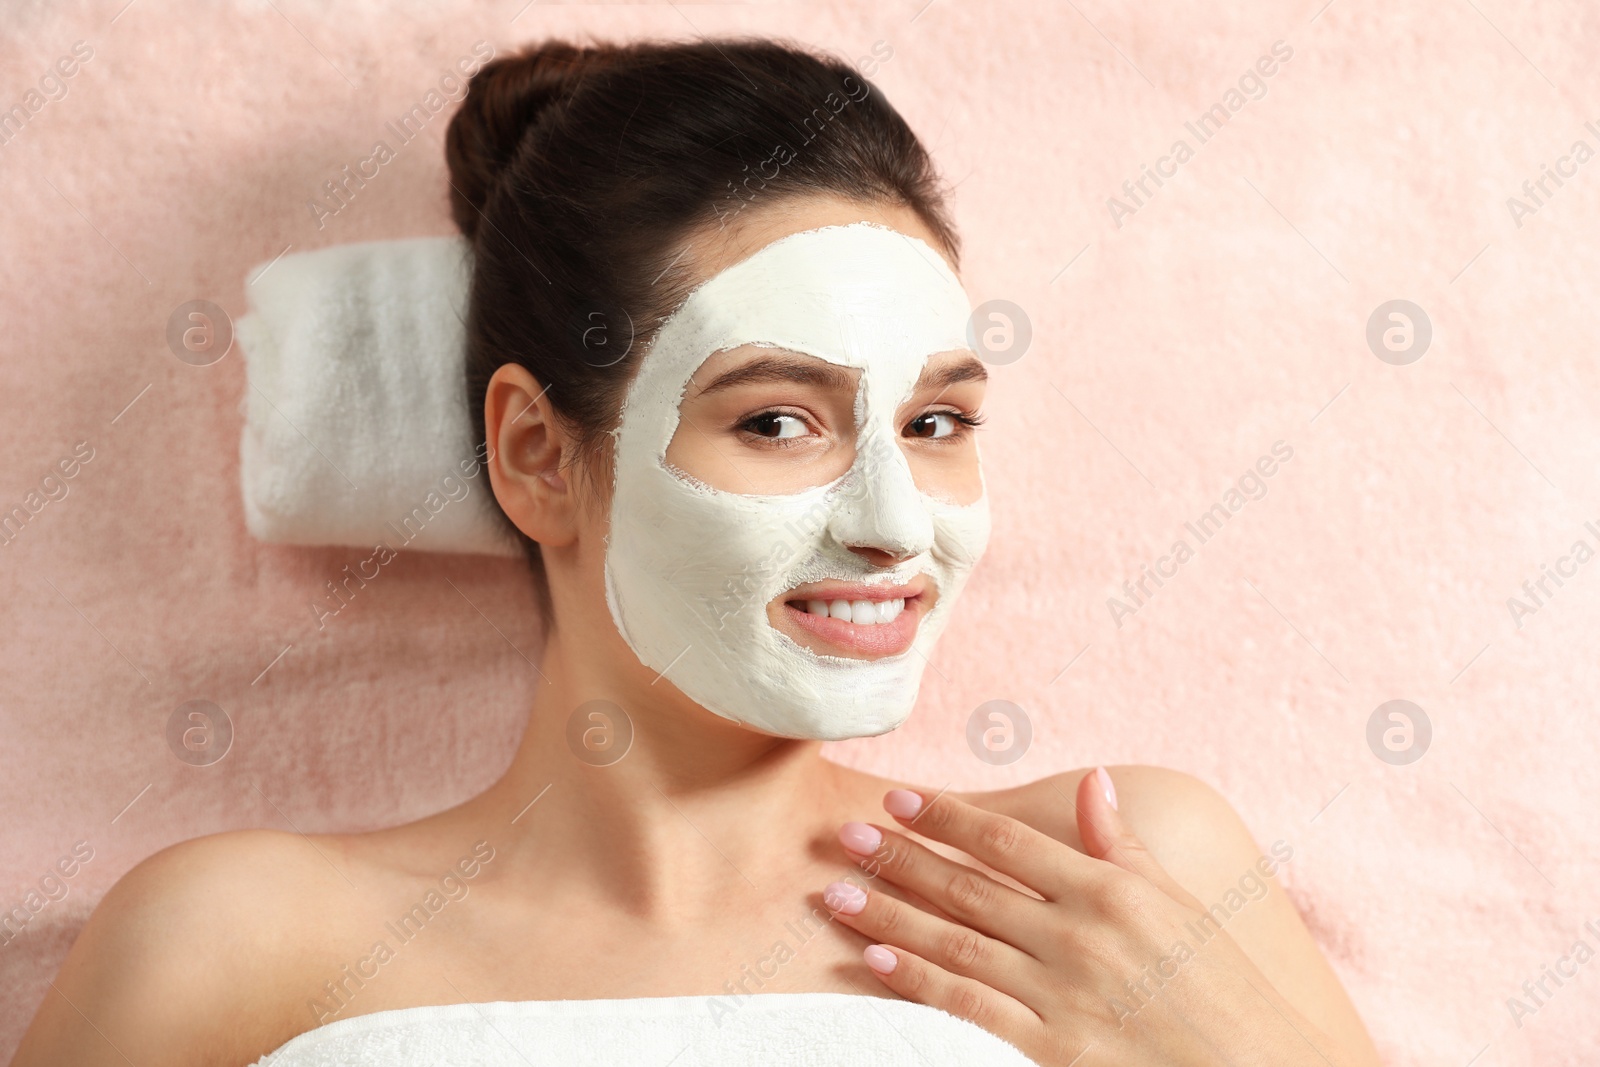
(854, 620)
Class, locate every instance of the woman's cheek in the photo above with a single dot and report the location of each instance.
(954, 477)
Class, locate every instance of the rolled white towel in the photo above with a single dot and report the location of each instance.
(356, 425)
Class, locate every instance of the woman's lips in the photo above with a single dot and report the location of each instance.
(827, 614)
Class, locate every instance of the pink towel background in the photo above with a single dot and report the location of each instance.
(1226, 313)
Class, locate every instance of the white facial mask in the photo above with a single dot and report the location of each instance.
(690, 570)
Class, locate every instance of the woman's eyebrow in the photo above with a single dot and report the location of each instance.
(965, 369)
(804, 370)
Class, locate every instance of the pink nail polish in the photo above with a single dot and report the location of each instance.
(1106, 787)
(860, 838)
(879, 959)
(844, 898)
(902, 803)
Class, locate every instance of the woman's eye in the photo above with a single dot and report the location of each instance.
(933, 425)
(776, 426)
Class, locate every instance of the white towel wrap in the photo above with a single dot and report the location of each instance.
(356, 424)
(769, 1029)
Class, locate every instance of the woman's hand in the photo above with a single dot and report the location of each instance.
(1112, 962)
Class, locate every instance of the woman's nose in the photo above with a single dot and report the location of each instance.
(881, 515)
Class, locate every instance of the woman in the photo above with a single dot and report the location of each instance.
(716, 351)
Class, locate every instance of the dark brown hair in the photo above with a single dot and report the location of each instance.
(578, 173)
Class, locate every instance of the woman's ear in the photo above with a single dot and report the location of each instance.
(531, 449)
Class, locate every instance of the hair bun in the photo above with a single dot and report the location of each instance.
(504, 100)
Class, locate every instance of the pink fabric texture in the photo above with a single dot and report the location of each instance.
(1176, 337)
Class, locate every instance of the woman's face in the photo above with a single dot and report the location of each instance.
(795, 497)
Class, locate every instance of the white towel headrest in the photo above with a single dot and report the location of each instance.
(356, 424)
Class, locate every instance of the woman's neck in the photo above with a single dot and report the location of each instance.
(696, 812)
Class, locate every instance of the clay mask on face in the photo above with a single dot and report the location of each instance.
(690, 570)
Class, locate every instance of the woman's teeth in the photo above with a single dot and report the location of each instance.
(860, 612)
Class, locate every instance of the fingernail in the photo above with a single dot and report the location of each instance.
(879, 959)
(902, 803)
(860, 838)
(844, 898)
(1106, 787)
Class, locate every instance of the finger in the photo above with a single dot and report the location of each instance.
(1106, 836)
(955, 948)
(1007, 845)
(964, 894)
(919, 980)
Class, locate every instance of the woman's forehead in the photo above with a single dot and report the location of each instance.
(857, 295)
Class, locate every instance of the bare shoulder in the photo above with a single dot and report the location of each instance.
(1187, 824)
(180, 962)
(1192, 831)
